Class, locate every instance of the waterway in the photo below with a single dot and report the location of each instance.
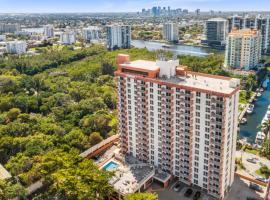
(177, 49)
(250, 129)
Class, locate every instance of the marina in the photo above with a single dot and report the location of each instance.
(256, 114)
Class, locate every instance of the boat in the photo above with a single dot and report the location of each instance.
(250, 109)
(261, 89)
(243, 121)
(166, 46)
(259, 94)
(260, 137)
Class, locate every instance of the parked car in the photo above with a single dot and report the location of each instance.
(252, 198)
(262, 179)
(251, 160)
(197, 195)
(255, 187)
(177, 187)
(188, 193)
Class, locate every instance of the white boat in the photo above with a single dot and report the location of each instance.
(259, 94)
(261, 89)
(250, 109)
(243, 121)
(260, 137)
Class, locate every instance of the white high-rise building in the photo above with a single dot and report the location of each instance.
(216, 31)
(16, 47)
(92, 33)
(67, 38)
(171, 32)
(2, 38)
(48, 31)
(261, 23)
(182, 122)
(243, 49)
(9, 28)
(118, 36)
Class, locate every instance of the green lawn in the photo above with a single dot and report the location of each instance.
(252, 151)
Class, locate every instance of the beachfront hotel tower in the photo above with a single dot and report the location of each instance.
(182, 122)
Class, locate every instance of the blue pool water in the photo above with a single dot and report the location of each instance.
(110, 166)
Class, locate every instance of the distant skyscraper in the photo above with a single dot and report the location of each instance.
(16, 47)
(9, 28)
(48, 31)
(171, 32)
(67, 38)
(92, 33)
(243, 49)
(216, 31)
(118, 36)
(198, 12)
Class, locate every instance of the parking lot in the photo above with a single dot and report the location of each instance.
(170, 194)
(240, 191)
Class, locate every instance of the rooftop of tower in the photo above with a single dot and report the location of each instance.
(181, 77)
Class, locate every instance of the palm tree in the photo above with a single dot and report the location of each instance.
(265, 127)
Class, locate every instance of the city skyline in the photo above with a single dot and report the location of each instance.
(32, 6)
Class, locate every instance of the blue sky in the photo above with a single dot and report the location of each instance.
(7, 6)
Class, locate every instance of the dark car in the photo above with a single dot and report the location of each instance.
(177, 187)
(251, 198)
(197, 195)
(255, 187)
(188, 193)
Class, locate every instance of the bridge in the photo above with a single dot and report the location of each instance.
(100, 147)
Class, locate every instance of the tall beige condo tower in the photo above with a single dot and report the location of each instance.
(182, 122)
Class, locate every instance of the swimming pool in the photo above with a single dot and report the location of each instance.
(110, 166)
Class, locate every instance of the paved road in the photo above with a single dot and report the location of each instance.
(250, 167)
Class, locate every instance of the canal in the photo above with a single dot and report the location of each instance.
(177, 49)
(250, 129)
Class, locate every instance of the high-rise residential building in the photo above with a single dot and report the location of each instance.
(92, 33)
(2, 38)
(16, 47)
(171, 32)
(9, 28)
(118, 36)
(216, 31)
(182, 122)
(235, 22)
(243, 49)
(67, 38)
(261, 23)
(48, 31)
